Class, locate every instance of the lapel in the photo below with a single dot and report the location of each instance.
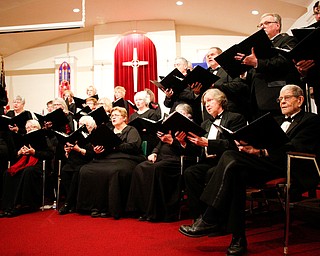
(296, 121)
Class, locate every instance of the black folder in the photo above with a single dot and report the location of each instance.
(80, 103)
(99, 115)
(178, 122)
(263, 49)
(201, 75)
(82, 112)
(37, 139)
(132, 105)
(145, 125)
(308, 46)
(104, 136)
(172, 80)
(262, 133)
(18, 120)
(119, 103)
(57, 117)
(80, 134)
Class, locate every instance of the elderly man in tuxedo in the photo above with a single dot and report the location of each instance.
(213, 145)
(225, 193)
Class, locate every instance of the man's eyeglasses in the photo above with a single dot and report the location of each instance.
(266, 23)
(285, 98)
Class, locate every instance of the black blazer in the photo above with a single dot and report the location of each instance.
(230, 120)
(304, 137)
(271, 75)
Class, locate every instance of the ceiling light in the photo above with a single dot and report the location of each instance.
(179, 3)
(48, 26)
(254, 12)
(76, 10)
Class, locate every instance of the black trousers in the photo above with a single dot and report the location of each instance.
(226, 190)
(195, 179)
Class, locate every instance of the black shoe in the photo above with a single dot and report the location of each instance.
(105, 215)
(238, 246)
(14, 213)
(95, 213)
(143, 218)
(3, 214)
(65, 209)
(200, 228)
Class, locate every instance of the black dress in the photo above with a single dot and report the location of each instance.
(70, 171)
(155, 187)
(151, 138)
(25, 188)
(104, 182)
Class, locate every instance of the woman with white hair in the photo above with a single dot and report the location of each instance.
(77, 154)
(142, 100)
(22, 182)
(18, 109)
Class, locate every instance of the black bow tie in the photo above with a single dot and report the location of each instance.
(212, 119)
(214, 70)
(288, 119)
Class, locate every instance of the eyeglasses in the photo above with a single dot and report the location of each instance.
(285, 98)
(266, 23)
(115, 115)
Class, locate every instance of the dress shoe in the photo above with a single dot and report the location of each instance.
(3, 214)
(105, 215)
(238, 246)
(65, 209)
(95, 213)
(200, 228)
(143, 218)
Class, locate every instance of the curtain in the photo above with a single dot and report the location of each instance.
(146, 64)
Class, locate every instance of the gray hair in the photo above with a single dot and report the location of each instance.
(19, 98)
(144, 95)
(63, 104)
(186, 108)
(295, 89)
(88, 121)
(276, 18)
(218, 95)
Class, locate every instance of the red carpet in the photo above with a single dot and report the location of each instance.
(47, 233)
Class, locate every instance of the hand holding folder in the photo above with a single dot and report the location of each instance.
(262, 133)
(18, 120)
(57, 118)
(261, 44)
(104, 136)
(80, 134)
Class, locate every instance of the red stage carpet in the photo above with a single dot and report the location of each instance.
(47, 233)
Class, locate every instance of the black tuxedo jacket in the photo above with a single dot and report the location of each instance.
(230, 120)
(271, 75)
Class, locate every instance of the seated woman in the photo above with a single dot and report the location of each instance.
(155, 190)
(22, 182)
(142, 100)
(153, 104)
(77, 155)
(104, 182)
